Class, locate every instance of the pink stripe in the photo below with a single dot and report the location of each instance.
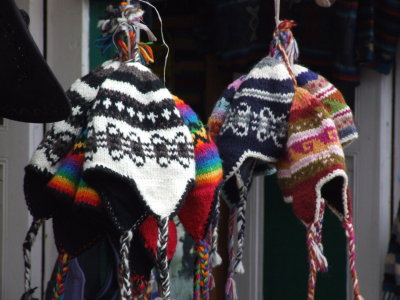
(326, 93)
(342, 113)
(306, 145)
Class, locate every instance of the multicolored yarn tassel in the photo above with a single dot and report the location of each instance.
(284, 42)
(202, 272)
(316, 259)
(62, 271)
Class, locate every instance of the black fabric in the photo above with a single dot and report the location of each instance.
(30, 91)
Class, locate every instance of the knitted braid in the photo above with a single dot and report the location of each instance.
(162, 258)
(316, 259)
(197, 279)
(203, 256)
(230, 287)
(62, 271)
(215, 258)
(26, 248)
(349, 229)
(124, 269)
(241, 227)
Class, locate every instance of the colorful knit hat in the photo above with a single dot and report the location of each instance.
(253, 133)
(140, 156)
(312, 173)
(199, 213)
(333, 102)
(317, 85)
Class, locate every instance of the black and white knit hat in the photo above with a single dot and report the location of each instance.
(140, 154)
(256, 125)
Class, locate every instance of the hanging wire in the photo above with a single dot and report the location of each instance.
(162, 36)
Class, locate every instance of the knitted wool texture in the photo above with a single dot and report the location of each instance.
(58, 141)
(140, 153)
(332, 100)
(317, 85)
(218, 114)
(199, 207)
(312, 173)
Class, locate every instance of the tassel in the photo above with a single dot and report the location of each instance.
(124, 269)
(162, 259)
(62, 271)
(349, 229)
(215, 260)
(241, 227)
(26, 248)
(230, 289)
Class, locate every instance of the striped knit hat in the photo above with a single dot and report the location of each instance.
(256, 125)
(312, 173)
(332, 100)
(317, 85)
(140, 155)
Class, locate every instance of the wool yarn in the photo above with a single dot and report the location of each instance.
(332, 100)
(312, 174)
(221, 107)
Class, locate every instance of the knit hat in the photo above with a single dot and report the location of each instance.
(58, 141)
(140, 155)
(254, 132)
(30, 91)
(312, 173)
(199, 213)
(333, 102)
(317, 85)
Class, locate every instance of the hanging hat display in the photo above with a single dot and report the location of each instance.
(30, 91)
(312, 174)
(139, 155)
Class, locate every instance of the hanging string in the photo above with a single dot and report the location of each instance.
(283, 45)
(162, 36)
(62, 271)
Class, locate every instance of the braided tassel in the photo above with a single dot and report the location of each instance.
(124, 269)
(197, 279)
(316, 259)
(62, 271)
(348, 225)
(26, 248)
(230, 287)
(162, 259)
(215, 258)
(203, 254)
(241, 227)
